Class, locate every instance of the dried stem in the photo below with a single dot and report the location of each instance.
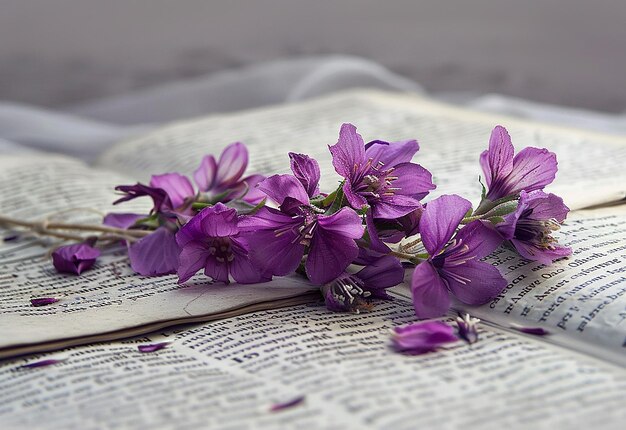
(45, 228)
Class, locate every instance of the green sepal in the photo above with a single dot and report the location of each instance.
(338, 201)
(152, 222)
(200, 205)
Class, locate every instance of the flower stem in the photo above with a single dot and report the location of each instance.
(411, 244)
(49, 229)
(413, 258)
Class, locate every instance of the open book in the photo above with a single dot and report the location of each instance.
(339, 362)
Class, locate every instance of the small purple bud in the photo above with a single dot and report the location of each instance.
(43, 301)
(152, 347)
(287, 405)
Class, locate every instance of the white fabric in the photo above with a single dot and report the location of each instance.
(84, 131)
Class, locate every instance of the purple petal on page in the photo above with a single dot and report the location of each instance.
(420, 338)
(43, 301)
(287, 405)
(152, 347)
(11, 238)
(535, 331)
(74, 258)
(41, 363)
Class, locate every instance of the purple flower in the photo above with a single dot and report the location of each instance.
(224, 176)
(279, 238)
(380, 174)
(75, 258)
(531, 169)
(170, 192)
(420, 338)
(155, 254)
(350, 292)
(212, 240)
(530, 227)
(455, 268)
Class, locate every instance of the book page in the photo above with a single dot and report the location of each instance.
(580, 300)
(451, 140)
(229, 373)
(109, 298)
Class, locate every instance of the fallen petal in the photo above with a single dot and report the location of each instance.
(535, 331)
(152, 347)
(43, 301)
(42, 363)
(420, 338)
(287, 405)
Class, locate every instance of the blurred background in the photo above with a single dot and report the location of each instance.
(58, 53)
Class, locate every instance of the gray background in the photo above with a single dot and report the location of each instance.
(58, 52)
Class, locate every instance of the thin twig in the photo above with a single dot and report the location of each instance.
(48, 229)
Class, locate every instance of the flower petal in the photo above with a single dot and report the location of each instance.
(213, 221)
(349, 151)
(383, 273)
(242, 268)
(155, 254)
(307, 170)
(272, 238)
(533, 169)
(333, 245)
(391, 153)
(345, 222)
(74, 258)
(497, 161)
(394, 206)
(544, 206)
(216, 270)
(43, 301)
(205, 173)
(254, 194)
(430, 295)
(474, 282)
(152, 347)
(121, 220)
(542, 255)
(176, 186)
(355, 200)
(278, 187)
(440, 219)
(158, 196)
(419, 338)
(232, 164)
(479, 240)
(413, 180)
(376, 244)
(191, 259)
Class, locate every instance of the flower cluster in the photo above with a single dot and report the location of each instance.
(354, 242)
